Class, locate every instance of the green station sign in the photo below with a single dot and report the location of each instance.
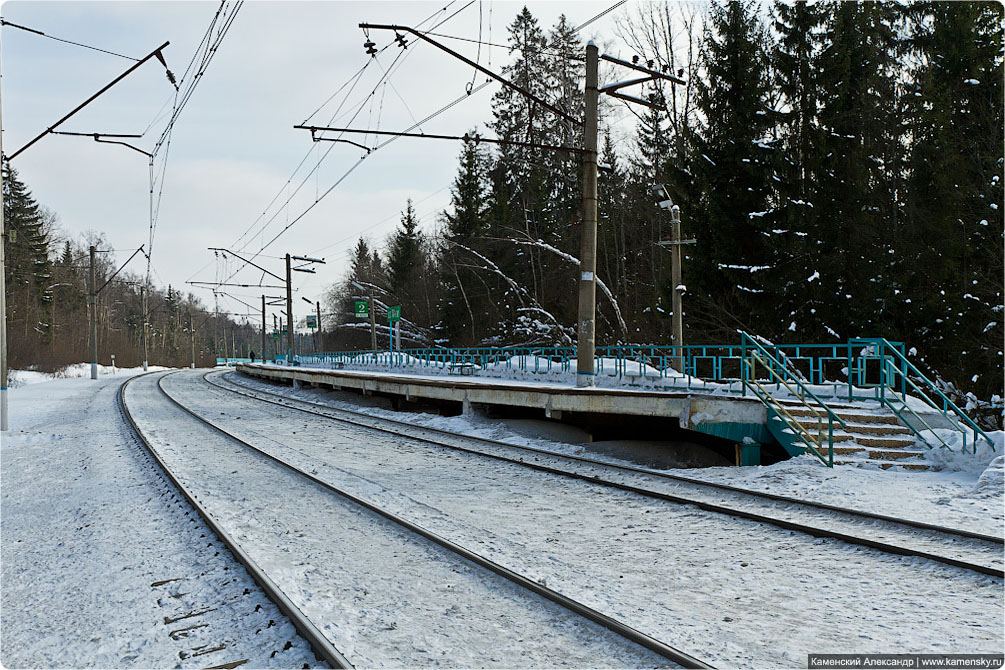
(394, 314)
(362, 309)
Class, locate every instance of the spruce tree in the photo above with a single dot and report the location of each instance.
(856, 186)
(797, 233)
(407, 264)
(28, 271)
(732, 221)
(464, 305)
(954, 208)
(520, 176)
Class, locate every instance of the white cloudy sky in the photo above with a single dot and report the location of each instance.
(234, 147)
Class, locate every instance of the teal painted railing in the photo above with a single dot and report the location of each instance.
(859, 369)
(780, 374)
(831, 370)
(229, 361)
(896, 371)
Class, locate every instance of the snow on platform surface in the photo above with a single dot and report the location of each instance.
(99, 562)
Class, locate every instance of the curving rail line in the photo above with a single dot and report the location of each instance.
(322, 647)
(670, 653)
(397, 427)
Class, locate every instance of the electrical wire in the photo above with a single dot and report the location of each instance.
(400, 56)
(600, 15)
(282, 208)
(4, 22)
(481, 43)
(184, 89)
(383, 221)
(354, 166)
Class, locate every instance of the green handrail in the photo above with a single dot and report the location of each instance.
(786, 377)
(803, 387)
(907, 366)
(778, 409)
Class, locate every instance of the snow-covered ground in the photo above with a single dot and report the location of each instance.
(77, 370)
(92, 543)
(103, 564)
(969, 493)
(385, 597)
(732, 592)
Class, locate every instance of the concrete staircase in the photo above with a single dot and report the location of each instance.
(874, 435)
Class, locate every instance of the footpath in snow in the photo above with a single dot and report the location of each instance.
(103, 563)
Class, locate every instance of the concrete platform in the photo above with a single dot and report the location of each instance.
(728, 417)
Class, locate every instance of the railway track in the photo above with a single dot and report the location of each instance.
(951, 546)
(319, 643)
(311, 631)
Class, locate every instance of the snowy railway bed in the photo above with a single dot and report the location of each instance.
(377, 587)
(952, 546)
(104, 564)
(322, 647)
(734, 592)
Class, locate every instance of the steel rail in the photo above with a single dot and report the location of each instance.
(319, 643)
(872, 516)
(707, 506)
(613, 625)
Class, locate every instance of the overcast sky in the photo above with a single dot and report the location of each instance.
(234, 147)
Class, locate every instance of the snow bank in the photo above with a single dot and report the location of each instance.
(991, 483)
(24, 377)
(955, 459)
(20, 378)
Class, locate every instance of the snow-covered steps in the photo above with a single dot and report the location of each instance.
(854, 415)
(873, 435)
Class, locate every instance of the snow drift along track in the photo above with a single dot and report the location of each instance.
(661, 648)
(307, 630)
(946, 541)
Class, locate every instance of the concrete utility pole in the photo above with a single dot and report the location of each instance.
(586, 341)
(3, 236)
(91, 300)
(319, 342)
(289, 312)
(143, 308)
(263, 328)
(675, 277)
(676, 256)
(191, 335)
(3, 299)
(216, 326)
